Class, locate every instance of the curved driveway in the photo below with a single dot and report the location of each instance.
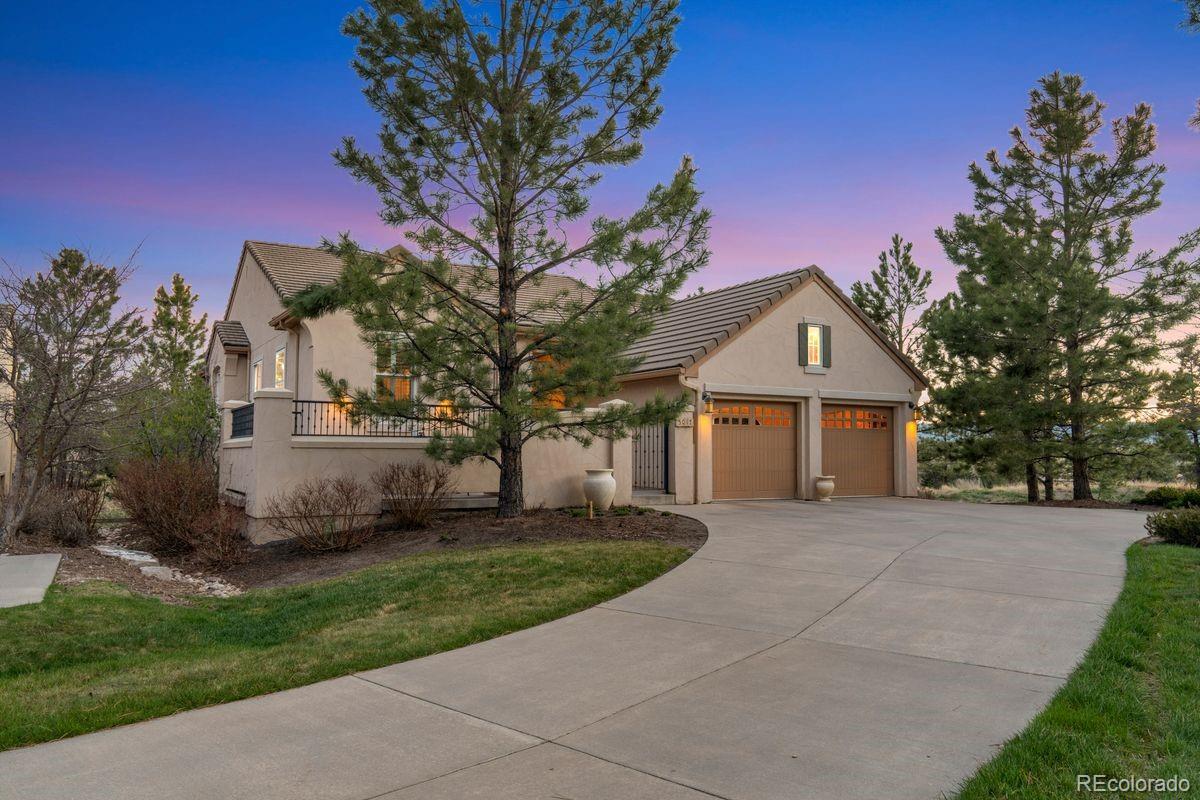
(866, 648)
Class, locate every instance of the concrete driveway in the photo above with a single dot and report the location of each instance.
(866, 648)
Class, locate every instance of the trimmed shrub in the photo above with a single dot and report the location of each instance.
(68, 516)
(173, 504)
(1180, 526)
(1171, 497)
(323, 514)
(415, 491)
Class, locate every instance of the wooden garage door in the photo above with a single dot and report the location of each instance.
(856, 448)
(754, 450)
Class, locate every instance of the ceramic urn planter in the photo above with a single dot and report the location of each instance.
(825, 487)
(599, 488)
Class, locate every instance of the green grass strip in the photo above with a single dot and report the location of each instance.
(1132, 708)
(95, 655)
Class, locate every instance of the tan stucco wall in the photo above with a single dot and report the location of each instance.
(273, 460)
(767, 355)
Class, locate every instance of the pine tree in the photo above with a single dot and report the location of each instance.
(496, 124)
(178, 417)
(173, 350)
(1056, 216)
(1180, 403)
(987, 348)
(898, 288)
(1192, 23)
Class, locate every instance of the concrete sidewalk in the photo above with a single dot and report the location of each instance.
(24, 579)
(865, 648)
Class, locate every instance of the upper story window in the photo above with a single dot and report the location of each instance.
(256, 376)
(392, 381)
(556, 398)
(816, 346)
(280, 366)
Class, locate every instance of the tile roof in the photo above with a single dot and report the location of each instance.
(682, 335)
(694, 326)
(291, 268)
(231, 333)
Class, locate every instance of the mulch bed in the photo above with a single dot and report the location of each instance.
(82, 564)
(282, 563)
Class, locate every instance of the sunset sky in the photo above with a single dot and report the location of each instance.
(819, 127)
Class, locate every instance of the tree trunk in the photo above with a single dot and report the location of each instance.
(1048, 481)
(1081, 485)
(1196, 449)
(1031, 482)
(16, 505)
(512, 479)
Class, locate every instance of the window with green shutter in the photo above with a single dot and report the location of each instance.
(816, 345)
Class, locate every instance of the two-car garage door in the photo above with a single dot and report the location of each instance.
(754, 449)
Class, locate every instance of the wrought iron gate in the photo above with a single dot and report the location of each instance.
(651, 463)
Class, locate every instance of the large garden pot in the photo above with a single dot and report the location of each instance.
(599, 488)
(825, 487)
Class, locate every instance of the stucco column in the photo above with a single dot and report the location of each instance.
(273, 423)
(683, 465)
(812, 447)
(907, 481)
(704, 458)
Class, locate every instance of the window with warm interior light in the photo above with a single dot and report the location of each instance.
(256, 376)
(392, 382)
(814, 344)
(280, 366)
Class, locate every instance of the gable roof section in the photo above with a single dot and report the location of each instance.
(694, 327)
(291, 268)
(231, 334)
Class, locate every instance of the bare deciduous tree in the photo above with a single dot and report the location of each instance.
(67, 354)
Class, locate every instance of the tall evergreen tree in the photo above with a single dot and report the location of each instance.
(1062, 213)
(497, 121)
(178, 418)
(897, 290)
(1192, 23)
(176, 337)
(987, 347)
(1180, 402)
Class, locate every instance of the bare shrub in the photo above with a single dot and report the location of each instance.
(323, 514)
(173, 504)
(164, 498)
(416, 491)
(66, 515)
(216, 537)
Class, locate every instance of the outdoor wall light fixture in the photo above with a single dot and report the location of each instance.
(708, 402)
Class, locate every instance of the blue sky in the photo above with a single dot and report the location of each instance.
(820, 128)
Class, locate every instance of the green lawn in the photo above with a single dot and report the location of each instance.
(93, 656)
(1132, 708)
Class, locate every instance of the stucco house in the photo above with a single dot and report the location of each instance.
(788, 380)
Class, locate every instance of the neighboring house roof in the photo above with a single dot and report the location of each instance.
(231, 333)
(695, 326)
(291, 268)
